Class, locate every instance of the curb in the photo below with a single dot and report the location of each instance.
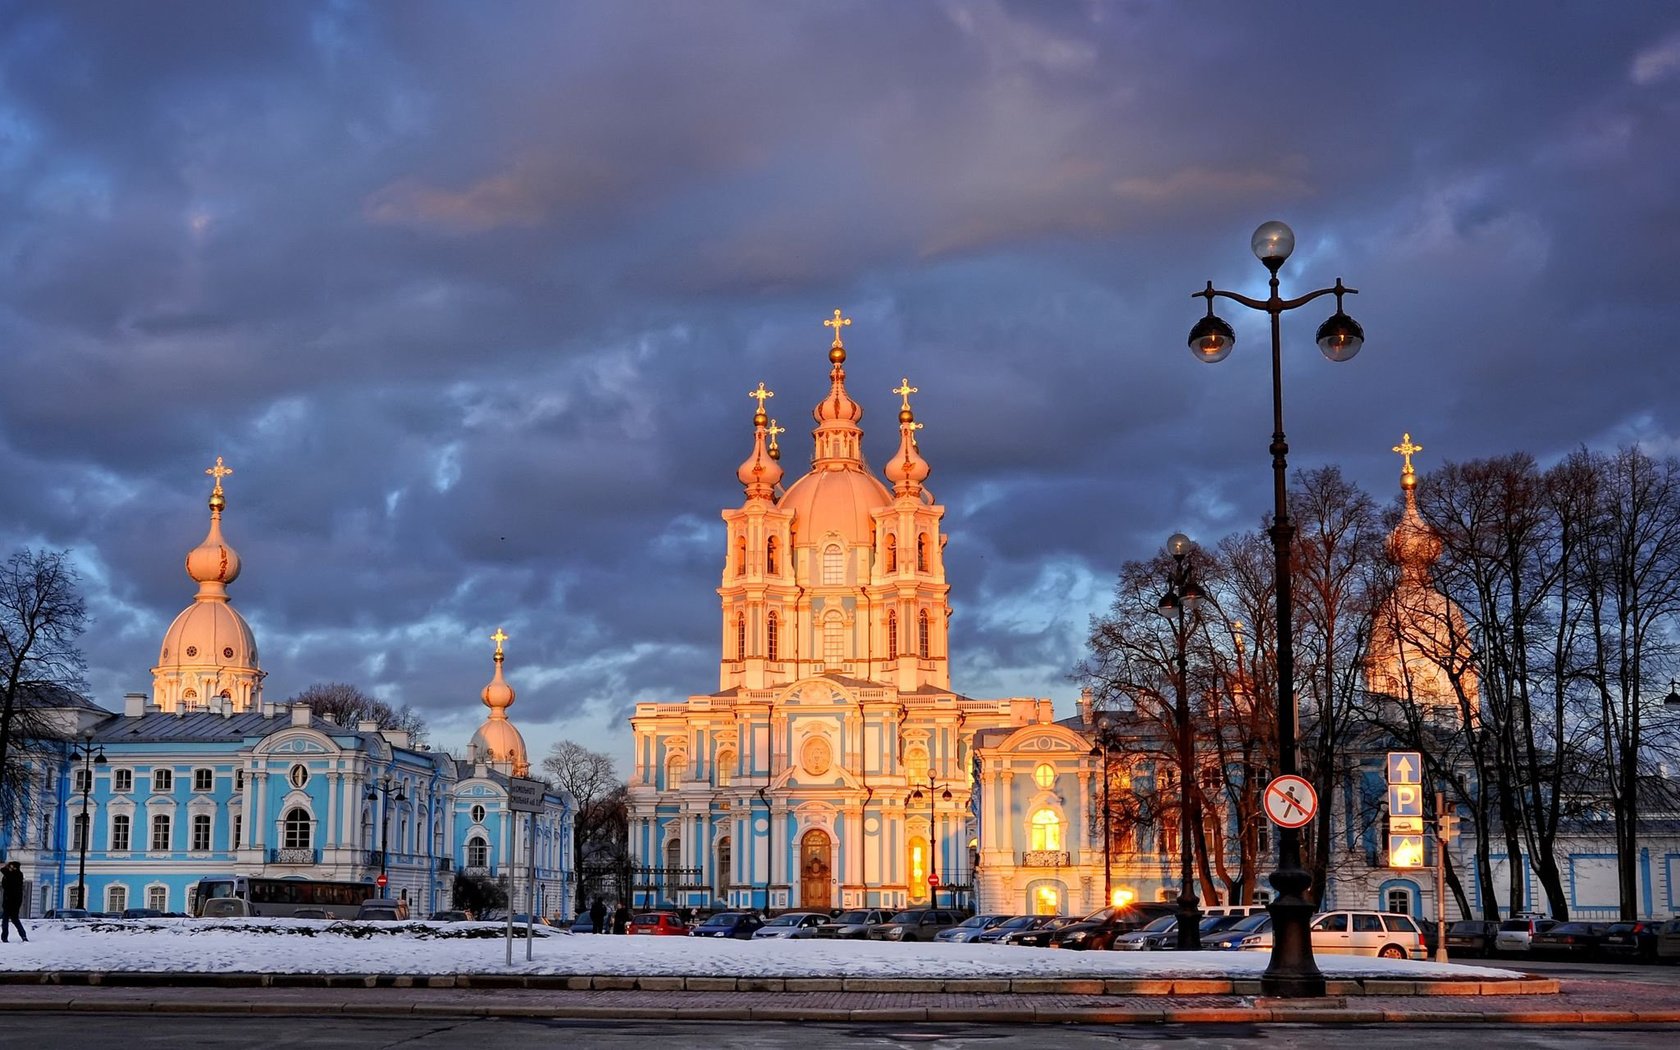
(1085, 986)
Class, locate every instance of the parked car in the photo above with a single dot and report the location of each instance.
(1473, 937)
(1668, 940)
(737, 924)
(791, 926)
(583, 923)
(1001, 933)
(1386, 934)
(69, 913)
(1252, 931)
(1039, 935)
(914, 924)
(311, 913)
(382, 909)
(969, 929)
(853, 925)
(1140, 940)
(1630, 940)
(1517, 933)
(1098, 929)
(1573, 940)
(142, 913)
(658, 924)
(225, 908)
(448, 916)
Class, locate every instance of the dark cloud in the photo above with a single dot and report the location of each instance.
(472, 299)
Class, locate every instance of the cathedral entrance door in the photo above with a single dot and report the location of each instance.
(816, 889)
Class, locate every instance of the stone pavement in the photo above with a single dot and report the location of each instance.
(1574, 1001)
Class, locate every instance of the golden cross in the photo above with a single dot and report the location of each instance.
(904, 390)
(760, 394)
(837, 324)
(219, 471)
(1406, 448)
(773, 430)
(499, 637)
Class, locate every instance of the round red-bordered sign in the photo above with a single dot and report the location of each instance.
(1290, 801)
(382, 881)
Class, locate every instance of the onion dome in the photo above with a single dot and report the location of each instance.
(837, 434)
(760, 473)
(907, 469)
(497, 741)
(1413, 545)
(214, 564)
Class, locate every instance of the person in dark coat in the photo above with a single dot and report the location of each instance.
(598, 916)
(11, 899)
(621, 918)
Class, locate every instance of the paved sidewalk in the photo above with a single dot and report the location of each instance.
(1577, 1002)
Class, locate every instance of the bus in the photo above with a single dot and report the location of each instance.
(282, 898)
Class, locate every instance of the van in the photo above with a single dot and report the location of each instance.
(1387, 934)
(382, 909)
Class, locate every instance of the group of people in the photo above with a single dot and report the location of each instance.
(598, 918)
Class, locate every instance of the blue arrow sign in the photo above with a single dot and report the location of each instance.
(1405, 767)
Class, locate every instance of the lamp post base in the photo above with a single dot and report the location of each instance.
(1292, 973)
(1189, 923)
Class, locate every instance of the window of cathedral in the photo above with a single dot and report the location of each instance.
(923, 634)
(676, 770)
(157, 898)
(122, 780)
(298, 827)
(834, 641)
(160, 833)
(82, 781)
(1046, 899)
(477, 814)
(770, 557)
(1399, 899)
(116, 899)
(204, 779)
(834, 564)
(740, 636)
(772, 643)
(892, 553)
(299, 775)
(725, 770)
(478, 852)
(120, 825)
(201, 833)
(78, 831)
(1044, 776)
(237, 838)
(239, 780)
(892, 634)
(922, 553)
(725, 866)
(673, 855)
(163, 780)
(916, 765)
(918, 867)
(740, 555)
(1046, 830)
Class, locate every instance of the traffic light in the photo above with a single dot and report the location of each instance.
(1447, 826)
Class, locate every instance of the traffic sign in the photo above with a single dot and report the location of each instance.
(382, 881)
(1405, 851)
(1405, 825)
(1405, 767)
(933, 878)
(1290, 801)
(1405, 800)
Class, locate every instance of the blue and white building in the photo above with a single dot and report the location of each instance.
(204, 777)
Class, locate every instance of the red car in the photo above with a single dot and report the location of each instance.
(658, 924)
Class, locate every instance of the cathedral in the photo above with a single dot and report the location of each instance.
(832, 767)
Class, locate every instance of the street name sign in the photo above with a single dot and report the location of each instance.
(525, 796)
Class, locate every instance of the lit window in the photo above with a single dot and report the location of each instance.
(676, 770)
(834, 564)
(297, 829)
(1046, 830)
(1047, 901)
(725, 768)
(916, 765)
(1044, 775)
(918, 867)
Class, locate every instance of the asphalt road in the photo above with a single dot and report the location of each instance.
(166, 1032)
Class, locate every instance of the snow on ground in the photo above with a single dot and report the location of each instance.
(323, 946)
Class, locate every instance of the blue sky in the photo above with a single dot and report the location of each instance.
(470, 296)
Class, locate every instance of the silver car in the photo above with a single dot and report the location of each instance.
(791, 926)
(1515, 934)
(853, 925)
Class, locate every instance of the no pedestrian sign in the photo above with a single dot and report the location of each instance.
(1290, 801)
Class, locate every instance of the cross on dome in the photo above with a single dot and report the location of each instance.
(837, 323)
(761, 394)
(775, 447)
(219, 471)
(1406, 449)
(904, 390)
(499, 637)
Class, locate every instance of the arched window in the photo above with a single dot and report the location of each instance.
(119, 833)
(201, 833)
(919, 858)
(725, 769)
(834, 564)
(772, 643)
(922, 634)
(740, 555)
(770, 556)
(740, 636)
(892, 553)
(1046, 830)
(297, 829)
(892, 635)
(1399, 899)
(673, 855)
(916, 765)
(478, 852)
(160, 833)
(676, 770)
(725, 865)
(834, 641)
(922, 553)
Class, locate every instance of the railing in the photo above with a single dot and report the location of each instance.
(480, 870)
(289, 855)
(1044, 858)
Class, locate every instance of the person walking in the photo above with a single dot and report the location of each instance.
(11, 899)
(598, 916)
(621, 918)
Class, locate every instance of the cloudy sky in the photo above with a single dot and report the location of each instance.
(470, 296)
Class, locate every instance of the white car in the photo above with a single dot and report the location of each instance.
(791, 926)
(1389, 935)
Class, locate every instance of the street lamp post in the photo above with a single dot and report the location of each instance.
(386, 789)
(1102, 748)
(1291, 971)
(91, 756)
(933, 835)
(1182, 595)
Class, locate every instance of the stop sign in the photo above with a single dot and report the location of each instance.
(382, 881)
(933, 878)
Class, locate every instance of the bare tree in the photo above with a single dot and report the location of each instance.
(347, 705)
(41, 617)
(600, 833)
